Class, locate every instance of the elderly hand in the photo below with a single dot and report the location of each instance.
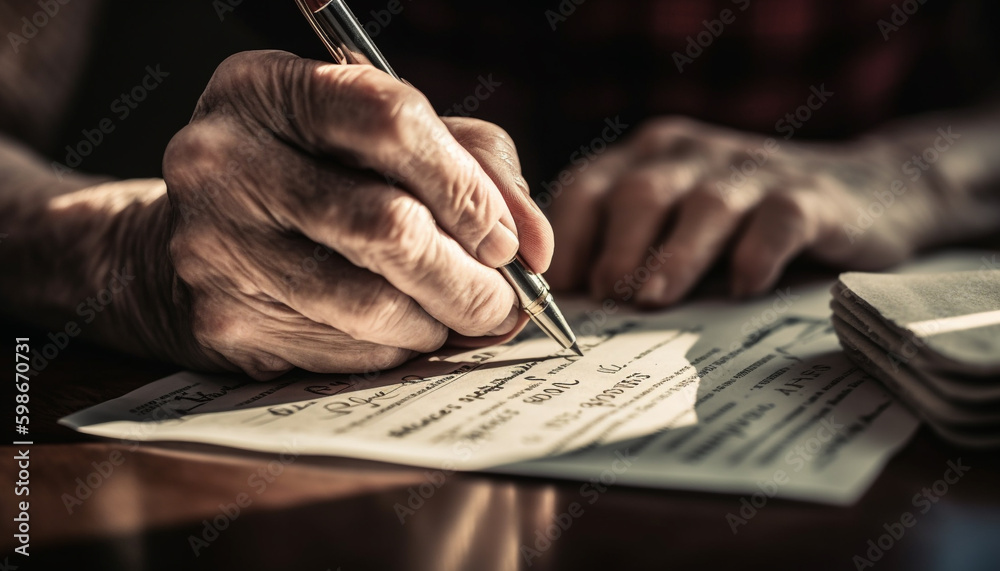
(326, 218)
(644, 221)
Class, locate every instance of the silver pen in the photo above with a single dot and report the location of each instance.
(348, 42)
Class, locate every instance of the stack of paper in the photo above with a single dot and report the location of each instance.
(934, 340)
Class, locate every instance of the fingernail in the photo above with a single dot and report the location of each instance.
(508, 323)
(498, 247)
(653, 291)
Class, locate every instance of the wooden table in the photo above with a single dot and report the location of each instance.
(105, 505)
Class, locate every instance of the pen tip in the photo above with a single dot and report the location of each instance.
(576, 349)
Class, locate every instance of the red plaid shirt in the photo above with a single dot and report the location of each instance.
(552, 81)
(564, 67)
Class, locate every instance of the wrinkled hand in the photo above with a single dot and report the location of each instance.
(291, 246)
(644, 221)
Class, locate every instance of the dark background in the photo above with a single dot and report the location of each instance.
(554, 94)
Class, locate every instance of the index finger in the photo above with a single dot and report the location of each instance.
(497, 154)
(366, 118)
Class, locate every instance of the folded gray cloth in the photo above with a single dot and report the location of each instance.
(932, 339)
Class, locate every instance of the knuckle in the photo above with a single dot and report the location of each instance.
(189, 145)
(235, 70)
(388, 110)
(590, 191)
(182, 246)
(468, 204)
(500, 135)
(659, 128)
(233, 75)
(198, 150)
(495, 136)
(402, 223)
(707, 199)
(196, 254)
(375, 310)
(788, 208)
(257, 86)
(397, 233)
(216, 330)
(244, 69)
(482, 311)
(184, 251)
(641, 188)
(674, 136)
(589, 187)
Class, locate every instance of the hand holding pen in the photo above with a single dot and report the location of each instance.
(288, 250)
(349, 43)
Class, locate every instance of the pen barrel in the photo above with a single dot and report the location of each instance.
(348, 42)
(344, 35)
(536, 300)
(532, 290)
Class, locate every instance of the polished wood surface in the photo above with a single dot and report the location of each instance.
(147, 507)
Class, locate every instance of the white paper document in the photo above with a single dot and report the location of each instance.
(714, 396)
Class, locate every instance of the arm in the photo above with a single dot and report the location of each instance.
(64, 235)
(959, 154)
(275, 239)
(87, 255)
